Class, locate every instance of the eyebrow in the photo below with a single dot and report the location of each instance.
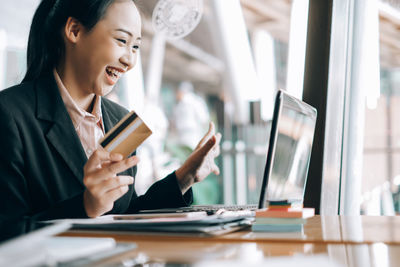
(129, 33)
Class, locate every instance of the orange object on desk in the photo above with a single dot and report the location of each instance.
(289, 213)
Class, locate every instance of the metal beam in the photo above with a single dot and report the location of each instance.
(316, 89)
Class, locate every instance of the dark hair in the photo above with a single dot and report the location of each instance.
(46, 44)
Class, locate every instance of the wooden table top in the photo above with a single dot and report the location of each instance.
(335, 229)
(258, 253)
(337, 240)
(318, 229)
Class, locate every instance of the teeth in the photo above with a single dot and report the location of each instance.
(114, 72)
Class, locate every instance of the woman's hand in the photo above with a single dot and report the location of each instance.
(103, 186)
(201, 162)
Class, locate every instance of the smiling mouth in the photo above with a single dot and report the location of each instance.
(113, 73)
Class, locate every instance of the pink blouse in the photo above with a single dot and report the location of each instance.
(88, 126)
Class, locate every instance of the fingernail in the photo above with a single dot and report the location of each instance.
(133, 159)
(116, 156)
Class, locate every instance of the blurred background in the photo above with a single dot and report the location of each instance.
(227, 71)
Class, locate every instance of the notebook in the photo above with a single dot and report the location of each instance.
(42, 248)
(11, 251)
(288, 156)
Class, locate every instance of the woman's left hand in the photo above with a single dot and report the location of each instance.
(201, 162)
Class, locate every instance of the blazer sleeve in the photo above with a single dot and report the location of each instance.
(15, 196)
(162, 194)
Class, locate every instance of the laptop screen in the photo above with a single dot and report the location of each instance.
(289, 150)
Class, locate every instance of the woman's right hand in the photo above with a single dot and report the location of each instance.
(103, 186)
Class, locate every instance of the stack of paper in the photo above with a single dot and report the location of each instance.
(282, 218)
(187, 222)
(41, 248)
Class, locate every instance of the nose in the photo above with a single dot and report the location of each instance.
(129, 59)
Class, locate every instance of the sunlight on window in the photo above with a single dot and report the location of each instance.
(370, 62)
(239, 56)
(297, 48)
(264, 57)
(3, 51)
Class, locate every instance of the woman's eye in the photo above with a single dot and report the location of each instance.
(135, 47)
(122, 41)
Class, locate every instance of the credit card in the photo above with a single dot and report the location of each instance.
(126, 135)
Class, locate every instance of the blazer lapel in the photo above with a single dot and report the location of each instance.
(62, 134)
(109, 119)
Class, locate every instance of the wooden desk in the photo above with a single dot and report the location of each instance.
(336, 229)
(319, 229)
(351, 241)
(242, 253)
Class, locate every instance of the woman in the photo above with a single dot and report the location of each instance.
(50, 163)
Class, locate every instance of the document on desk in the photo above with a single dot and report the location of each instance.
(41, 248)
(178, 223)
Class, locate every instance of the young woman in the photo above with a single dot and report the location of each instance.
(51, 165)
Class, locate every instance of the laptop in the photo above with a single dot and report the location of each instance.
(288, 157)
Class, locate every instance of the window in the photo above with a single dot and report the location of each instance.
(381, 167)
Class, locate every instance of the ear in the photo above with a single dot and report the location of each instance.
(73, 30)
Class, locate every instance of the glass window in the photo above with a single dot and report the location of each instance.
(381, 171)
(14, 30)
(203, 68)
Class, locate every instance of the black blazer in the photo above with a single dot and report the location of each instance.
(42, 159)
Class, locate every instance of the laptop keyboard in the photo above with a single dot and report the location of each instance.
(210, 209)
(215, 208)
(227, 209)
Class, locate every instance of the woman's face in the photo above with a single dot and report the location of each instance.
(102, 55)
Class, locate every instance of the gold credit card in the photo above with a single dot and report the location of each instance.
(126, 135)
